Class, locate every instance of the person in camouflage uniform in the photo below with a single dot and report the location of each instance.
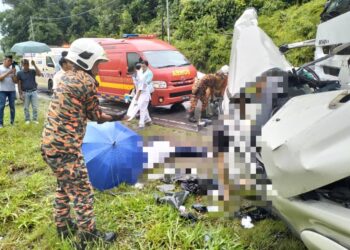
(74, 102)
(205, 88)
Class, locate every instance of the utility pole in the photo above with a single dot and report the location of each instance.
(32, 28)
(167, 15)
(163, 24)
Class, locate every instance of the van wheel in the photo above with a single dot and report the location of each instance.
(150, 108)
(177, 107)
(50, 86)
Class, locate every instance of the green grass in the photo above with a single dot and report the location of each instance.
(27, 192)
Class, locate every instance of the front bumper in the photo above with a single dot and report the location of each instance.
(321, 224)
(171, 95)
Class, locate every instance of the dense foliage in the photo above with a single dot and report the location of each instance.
(201, 29)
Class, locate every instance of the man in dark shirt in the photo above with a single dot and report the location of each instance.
(27, 87)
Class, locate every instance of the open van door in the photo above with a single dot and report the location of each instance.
(112, 75)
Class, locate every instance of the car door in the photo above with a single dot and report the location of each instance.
(112, 74)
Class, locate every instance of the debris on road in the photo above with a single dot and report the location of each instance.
(166, 188)
(192, 185)
(139, 186)
(200, 208)
(246, 222)
(182, 209)
(189, 216)
(174, 199)
(255, 213)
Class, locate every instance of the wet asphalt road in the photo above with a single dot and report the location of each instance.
(170, 116)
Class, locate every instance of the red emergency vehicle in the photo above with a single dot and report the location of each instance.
(173, 74)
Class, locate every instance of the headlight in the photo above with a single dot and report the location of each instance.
(159, 84)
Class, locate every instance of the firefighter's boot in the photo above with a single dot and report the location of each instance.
(191, 117)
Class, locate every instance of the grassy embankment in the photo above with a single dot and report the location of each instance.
(295, 24)
(27, 192)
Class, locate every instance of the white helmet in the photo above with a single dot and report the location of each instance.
(84, 52)
(224, 69)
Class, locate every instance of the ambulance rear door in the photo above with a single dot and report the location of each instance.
(113, 73)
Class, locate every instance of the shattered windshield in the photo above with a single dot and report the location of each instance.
(166, 59)
(335, 8)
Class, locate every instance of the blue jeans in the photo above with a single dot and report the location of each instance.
(11, 95)
(30, 98)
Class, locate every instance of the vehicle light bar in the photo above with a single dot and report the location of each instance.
(143, 36)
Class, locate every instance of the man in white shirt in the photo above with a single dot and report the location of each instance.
(7, 88)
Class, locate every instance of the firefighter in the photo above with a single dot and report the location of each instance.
(208, 86)
(74, 102)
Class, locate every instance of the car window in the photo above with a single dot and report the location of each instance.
(335, 8)
(132, 58)
(166, 58)
(49, 62)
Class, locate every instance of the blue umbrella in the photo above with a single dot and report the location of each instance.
(30, 47)
(113, 154)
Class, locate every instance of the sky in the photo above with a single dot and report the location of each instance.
(3, 6)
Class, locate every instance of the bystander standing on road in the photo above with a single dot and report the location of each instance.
(27, 88)
(7, 88)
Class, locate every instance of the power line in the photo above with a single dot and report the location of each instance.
(70, 16)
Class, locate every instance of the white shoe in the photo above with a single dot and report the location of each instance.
(36, 122)
(27, 122)
(1, 126)
(141, 126)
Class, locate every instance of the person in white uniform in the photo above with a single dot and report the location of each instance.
(143, 95)
(136, 77)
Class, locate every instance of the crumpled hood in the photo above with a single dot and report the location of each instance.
(306, 143)
(252, 53)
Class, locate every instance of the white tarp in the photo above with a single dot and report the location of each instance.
(252, 53)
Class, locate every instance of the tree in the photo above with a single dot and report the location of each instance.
(201, 29)
(81, 20)
(126, 25)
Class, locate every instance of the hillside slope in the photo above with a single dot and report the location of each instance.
(294, 24)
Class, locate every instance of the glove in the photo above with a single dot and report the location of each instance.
(119, 116)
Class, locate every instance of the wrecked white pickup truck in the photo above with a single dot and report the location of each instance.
(304, 135)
